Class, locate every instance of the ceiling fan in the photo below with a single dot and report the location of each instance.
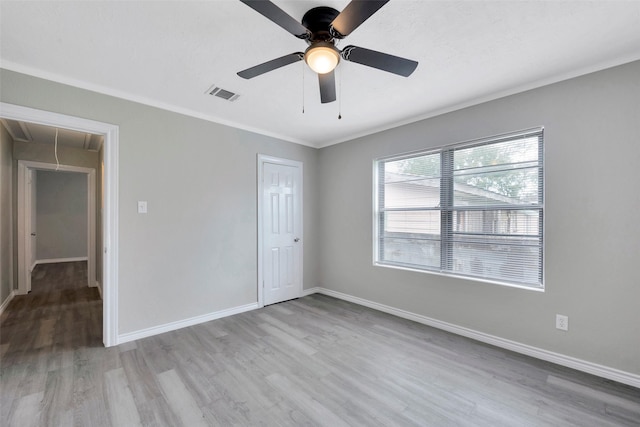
(321, 27)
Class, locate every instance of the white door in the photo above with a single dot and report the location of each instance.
(281, 232)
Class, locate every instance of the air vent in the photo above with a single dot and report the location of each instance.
(222, 93)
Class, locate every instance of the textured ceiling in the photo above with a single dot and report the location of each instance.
(169, 53)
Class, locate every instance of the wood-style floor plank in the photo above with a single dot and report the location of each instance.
(315, 361)
(122, 407)
(27, 411)
(180, 400)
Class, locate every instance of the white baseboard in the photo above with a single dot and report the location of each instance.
(316, 290)
(167, 327)
(7, 300)
(96, 284)
(549, 356)
(56, 260)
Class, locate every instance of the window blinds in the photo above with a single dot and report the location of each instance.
(472, 209)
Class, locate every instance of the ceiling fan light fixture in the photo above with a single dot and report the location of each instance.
(321, 27)
(322, 57)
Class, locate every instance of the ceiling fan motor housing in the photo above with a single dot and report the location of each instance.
(318, 21)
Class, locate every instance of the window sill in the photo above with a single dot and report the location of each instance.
(460, 276)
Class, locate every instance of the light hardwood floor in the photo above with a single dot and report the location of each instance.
(312, 361)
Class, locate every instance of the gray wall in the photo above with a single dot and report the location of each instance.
(195, 252)
(592, 143)
(61, 215)
(6, 214)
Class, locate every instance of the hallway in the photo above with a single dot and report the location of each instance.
(47, 332)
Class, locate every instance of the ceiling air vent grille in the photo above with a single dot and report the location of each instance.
(222, 93)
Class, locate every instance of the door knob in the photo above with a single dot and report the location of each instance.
(33, 234)
(297, 239)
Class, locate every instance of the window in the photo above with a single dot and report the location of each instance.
(473, 209)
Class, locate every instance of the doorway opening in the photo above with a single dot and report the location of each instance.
(109, 229)
(28, 236)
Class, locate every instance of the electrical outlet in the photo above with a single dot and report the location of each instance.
(562, 322)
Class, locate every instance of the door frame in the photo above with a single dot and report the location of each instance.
(109, 251)
(262, 159)
(26, 170)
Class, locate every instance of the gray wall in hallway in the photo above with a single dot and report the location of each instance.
(61, 215)
(7, 281)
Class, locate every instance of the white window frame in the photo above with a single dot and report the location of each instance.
(451, 148)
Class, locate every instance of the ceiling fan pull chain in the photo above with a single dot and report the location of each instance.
(340, 94)
(302, 87)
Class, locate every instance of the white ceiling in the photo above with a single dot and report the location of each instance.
(169, 53)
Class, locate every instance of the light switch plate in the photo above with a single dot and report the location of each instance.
(562, 322)
(142, 207)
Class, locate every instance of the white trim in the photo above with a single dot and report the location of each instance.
(97, 285)
(179, 324)
(36, 72)
(262, 159)
(6, 302)
(110, 241)
(56, 260)
(311, 291)
(110, 197)
(626, 59)
(25, 169)
(538, 353)
(459, 276)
